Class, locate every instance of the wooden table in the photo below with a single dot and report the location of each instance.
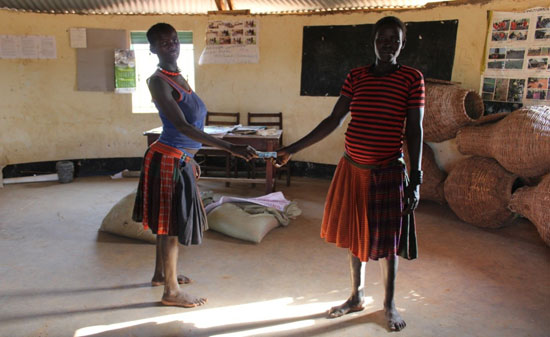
(260, 143)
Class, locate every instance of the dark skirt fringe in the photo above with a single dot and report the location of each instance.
(408, 245)
(191, 213)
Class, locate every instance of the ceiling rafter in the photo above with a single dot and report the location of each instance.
(222, 5)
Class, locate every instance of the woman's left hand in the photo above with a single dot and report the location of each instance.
(411, 198)
(196, 168)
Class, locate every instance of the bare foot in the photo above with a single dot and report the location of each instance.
(181, 299)
(347, 307)
(395, 322)
(158, 281)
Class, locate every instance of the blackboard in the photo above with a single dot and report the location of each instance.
(330, 52)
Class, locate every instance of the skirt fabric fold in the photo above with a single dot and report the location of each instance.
(345, 218)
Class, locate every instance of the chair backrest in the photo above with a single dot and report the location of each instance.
(222, 118)
(266, 119)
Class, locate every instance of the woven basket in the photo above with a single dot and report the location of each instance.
(520, 142)
(448, 108)
(478, 190)
(490, 118)
(533, 203)
(432, 186)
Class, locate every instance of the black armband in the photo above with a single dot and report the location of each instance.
(415, 177)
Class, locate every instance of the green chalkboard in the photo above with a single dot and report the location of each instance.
(330, 52)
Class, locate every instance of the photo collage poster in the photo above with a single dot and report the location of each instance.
(517, 64)
(234, 41)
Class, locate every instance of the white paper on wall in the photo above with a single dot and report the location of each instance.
(77, 37)
(9, 46)
(47, 47)
(27, 47)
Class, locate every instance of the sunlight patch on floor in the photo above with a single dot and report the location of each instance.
(274, 328)
(413, 296)
(265, 311)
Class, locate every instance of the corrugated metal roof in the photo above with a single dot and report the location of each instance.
(127, 7)
(307, 6)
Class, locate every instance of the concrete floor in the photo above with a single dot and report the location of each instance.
(60, 277)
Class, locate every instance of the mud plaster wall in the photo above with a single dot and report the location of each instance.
(44, 118)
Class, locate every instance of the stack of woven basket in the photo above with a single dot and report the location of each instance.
(508, 171)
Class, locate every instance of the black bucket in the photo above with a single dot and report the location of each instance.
(65, 171)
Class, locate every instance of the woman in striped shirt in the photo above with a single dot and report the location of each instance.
(368, 199)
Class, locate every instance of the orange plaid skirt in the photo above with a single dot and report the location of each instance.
(363, 210)
(168, 200)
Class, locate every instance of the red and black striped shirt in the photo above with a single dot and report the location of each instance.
(378, 109)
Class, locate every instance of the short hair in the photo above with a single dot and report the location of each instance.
(157, 29)
(389, 21)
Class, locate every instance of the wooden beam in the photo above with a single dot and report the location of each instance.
(234, 12)
(230, 4)
(228, 7)
(222, 6)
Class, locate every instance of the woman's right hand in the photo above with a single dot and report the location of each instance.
(244, 151)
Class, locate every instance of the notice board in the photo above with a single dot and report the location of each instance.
(330, 52)
(95, 64)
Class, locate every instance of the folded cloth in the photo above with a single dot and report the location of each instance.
(291, 211)
(274, 200)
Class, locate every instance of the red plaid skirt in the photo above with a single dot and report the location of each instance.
(363, 210)
(168, 200)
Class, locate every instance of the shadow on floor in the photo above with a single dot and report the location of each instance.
(56, 292)
(63, 313)
(105, 237)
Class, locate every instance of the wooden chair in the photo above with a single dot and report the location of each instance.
(207, 154)
(270, 120)
(222, 118)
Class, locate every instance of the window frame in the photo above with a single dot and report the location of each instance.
(141, 98)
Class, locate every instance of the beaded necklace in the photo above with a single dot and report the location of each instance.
(169, 73)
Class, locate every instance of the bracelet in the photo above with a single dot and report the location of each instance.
(415, 177)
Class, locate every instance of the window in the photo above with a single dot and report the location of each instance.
(146, 64)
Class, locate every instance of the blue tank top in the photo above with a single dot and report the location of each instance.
(194, 111)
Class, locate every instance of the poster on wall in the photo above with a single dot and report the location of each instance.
(231, 42)
(125, 71)
(517, 63)
(27, 47)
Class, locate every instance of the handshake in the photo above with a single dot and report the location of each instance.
(276, 160)
(266, 155)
